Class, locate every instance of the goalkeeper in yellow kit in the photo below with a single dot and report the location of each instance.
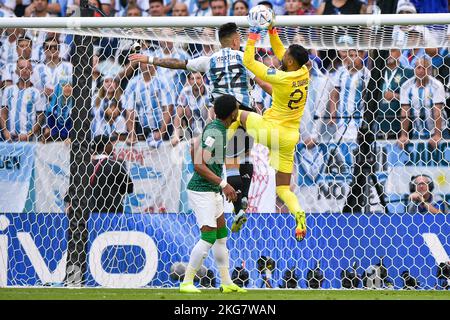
(278, 128)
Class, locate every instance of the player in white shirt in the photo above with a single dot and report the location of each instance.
(22, 108)
(346, 99)
(422, 99)
(226, 75)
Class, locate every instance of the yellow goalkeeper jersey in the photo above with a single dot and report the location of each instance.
(289, 89)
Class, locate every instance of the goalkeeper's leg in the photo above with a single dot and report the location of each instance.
(290, 199)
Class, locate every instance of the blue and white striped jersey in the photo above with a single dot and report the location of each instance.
(22, 107)
(421, 101)
(198, 105)
(99, 125)
(175, 78)
(8, 52)
(198, 12)
(39, 78)
(63, 71)
(226, 75)
(351, 88)
(148, 99)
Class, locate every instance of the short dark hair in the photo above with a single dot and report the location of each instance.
(299, 53)
(160, 1)
(224, 106)
(227, 30)
(266, 3)
(24, 38)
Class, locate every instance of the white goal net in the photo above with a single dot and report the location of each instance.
(371, 166)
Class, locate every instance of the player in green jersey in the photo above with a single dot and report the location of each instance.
(205, 196)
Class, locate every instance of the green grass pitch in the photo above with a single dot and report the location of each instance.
(210, 294)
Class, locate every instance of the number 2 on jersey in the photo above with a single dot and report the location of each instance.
(236, 82)
(294, 103)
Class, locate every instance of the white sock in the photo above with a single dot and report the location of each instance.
(220, 252)
(198, 254)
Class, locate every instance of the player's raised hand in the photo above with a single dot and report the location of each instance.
(139, 58)
(230, 193)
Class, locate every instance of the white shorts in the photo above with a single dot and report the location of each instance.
(207, 206)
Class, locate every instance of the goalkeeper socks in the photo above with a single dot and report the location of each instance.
(221, 256)
(234, 179)
(198, 254)
(246, 171)
(289, 198)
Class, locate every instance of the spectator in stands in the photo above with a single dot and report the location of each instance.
(156, 8)
(336, 7)
(291, 7)
(95, 75)
(312, 126)
(8, 73)
(43, 8)
(219, 7)
(342, 7)
(422, 99)
(106, 112)
(240, 8)
(346, 107)
(7, 9)
(175, 78)
(203, 9)
(421, 197)
(21, 115)
(394, 75)
(53, 65)
(109, 179)
(306, 8)
(122, 7)
(180, 9)
(58, 112)
(147, 101)
(192, 109)
(125, 46)
(8, 51)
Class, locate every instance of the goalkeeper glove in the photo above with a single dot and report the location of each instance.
(255, 33)
(255, 29)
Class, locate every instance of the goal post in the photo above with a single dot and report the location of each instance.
(369, 224)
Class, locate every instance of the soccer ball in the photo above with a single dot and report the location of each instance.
(260, 16)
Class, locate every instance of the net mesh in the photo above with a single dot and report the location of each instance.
(364, 170)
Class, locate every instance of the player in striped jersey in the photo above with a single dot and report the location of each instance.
(22, 107)
(148, 99)
(422, 99)
(227, 75)
(346, 105)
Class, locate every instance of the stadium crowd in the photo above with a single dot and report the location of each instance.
(146, 103)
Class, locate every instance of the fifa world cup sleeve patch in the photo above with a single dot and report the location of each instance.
(209, 142)
(271, 71)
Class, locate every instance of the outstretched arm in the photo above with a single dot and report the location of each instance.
(275, 42)
(170, 63)
(259, 69)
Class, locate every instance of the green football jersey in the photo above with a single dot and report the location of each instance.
(213, 140)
